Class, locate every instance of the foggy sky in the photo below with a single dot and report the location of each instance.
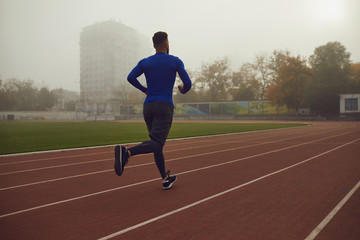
(39, 39)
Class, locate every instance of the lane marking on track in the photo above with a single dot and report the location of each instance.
(218, 194)
(55, 179)
(56, 166)
(139, 165)
(108, 159)
(81, 155)
(167, 151)
(101, 160)
(53, 158)
(327, 219)
(80, 197)
(190, 171)
(109, 170)
(174, 139)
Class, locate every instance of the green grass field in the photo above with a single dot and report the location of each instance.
(20, 137)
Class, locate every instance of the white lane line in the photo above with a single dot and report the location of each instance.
(169, 140)
(83, 155)
(102, 160)
(93, 161)
(108, 159)
(146, 164)
(53, 151)
(217, 195)
(80, 197)
(190, 171)
(133, 166)
(53, 158)
(56, 166)
(327, 219)
(55, 179)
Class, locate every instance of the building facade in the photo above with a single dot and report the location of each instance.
(350, 107)
(108, 52)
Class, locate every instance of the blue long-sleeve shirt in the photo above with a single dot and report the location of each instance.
(160, 73)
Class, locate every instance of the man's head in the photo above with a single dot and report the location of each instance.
(160, 41)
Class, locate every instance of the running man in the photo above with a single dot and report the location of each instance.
(160, 73)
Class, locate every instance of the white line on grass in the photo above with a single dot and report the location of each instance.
(327, 219)
(217, 195)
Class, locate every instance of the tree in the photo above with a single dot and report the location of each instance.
(332, 54)
(263, 73)
(46, 99)
(293, 77)
(4, 101)
(274, 63)
(331, 66)
(20, 95)
(70, 106)
(355, 76)
(216, 76)
(135, 96)
(196, 93)
(65, 99)
(200, 88)
(245, 84)
(121, 94)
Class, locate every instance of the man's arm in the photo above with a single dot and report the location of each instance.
(133, 75)
(184, 78)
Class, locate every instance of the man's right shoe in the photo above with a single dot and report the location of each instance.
(121, 159)
(169, 181)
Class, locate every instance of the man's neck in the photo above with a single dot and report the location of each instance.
(161, 50)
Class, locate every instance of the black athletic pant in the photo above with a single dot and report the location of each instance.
(158, 118)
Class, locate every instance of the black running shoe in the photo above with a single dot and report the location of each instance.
(169, 181)
(121, 159)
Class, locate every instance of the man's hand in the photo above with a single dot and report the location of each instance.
(180, 87)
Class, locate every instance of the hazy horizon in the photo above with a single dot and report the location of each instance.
(39, 39)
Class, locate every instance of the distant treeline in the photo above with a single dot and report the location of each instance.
(23, 95)
(280, 77)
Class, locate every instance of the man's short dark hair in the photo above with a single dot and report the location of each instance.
(159, 38)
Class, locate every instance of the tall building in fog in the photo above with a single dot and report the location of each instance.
(108, 52)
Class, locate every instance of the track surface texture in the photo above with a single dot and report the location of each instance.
(295, 183)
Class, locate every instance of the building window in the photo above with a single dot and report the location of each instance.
(351, 104)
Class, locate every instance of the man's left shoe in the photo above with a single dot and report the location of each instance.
(121, 159)
(169, 181)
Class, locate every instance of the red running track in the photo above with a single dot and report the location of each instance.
(296, 183)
